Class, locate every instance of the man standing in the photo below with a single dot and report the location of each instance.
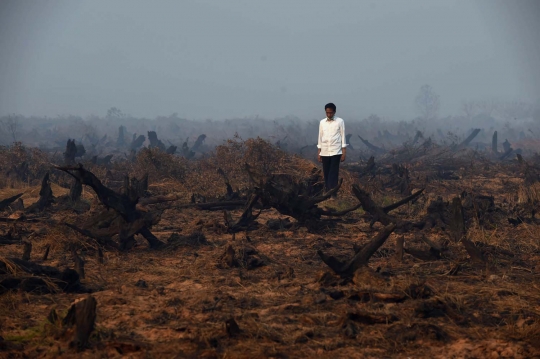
(331, 145)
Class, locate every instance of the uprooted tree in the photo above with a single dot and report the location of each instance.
(121, 217)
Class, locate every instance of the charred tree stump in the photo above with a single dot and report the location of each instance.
(71, 152)
(76, 190)
(82, 316)
(457, 224)
(474, 252)
(494, 149)
(198, 142)
(171, 150)
(361, 258)
(46, 197)
(121, 141)
(27, 251)
(137, 142)
(154, 141)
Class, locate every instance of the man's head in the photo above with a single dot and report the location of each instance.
(330, 109)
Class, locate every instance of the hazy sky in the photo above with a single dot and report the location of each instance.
(238, 58)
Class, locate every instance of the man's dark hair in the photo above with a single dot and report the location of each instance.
(330, 106)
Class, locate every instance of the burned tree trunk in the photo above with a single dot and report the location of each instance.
(494, 143)
(198, 143)
(361, 258)
(154, 141)
(66, 280)
(76, 190)
(137, 142)
(469, 139)
(71, 152)
(457, 224)
(6, 202)
(131, 221)
(82, 316)
(27, 250)
(121, 141)
(372, 146)
(46, 197)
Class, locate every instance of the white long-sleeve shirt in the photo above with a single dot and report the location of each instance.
(331, 136)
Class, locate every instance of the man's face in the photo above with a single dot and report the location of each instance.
(330, 113)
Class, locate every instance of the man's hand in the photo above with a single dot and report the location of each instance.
(319, 158)
(343, 154)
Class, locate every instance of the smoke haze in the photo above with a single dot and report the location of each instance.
(212, 59)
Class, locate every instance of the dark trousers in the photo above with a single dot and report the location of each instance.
(330, 165)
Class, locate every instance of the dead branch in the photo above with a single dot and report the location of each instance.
(347, 269)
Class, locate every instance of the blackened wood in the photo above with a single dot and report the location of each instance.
(494, 143)
(67, 280)
(457, 222)
(46, 254)
(153, 241)
(347, 269)
(469, 139)
(6, 202)
(82, 316)
(27, 251)
(474, 252)
(76, 190)
(372, 146)
(403, 201)
(121, 203)
(71, 151)
(46, 197)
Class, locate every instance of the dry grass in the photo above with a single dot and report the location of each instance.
(285, 308)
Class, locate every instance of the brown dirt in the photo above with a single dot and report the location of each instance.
(175, 302)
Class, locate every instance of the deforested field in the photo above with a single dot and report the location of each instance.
(430, 250)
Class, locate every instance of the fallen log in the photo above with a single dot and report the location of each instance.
(120, 203)
(469, 139)
(347, 269)
(474, 252)
(405, 200)
(292, 198)
(372, 146)
(6, 202)
(246, 220)
(66, 280)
